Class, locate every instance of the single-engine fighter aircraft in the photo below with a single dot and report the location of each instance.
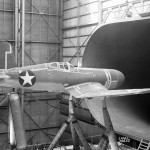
(64, 77)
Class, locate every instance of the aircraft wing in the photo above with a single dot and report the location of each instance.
(4, 76)
(90, 90)
(123, 120)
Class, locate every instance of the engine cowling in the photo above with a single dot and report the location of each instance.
(115, 78)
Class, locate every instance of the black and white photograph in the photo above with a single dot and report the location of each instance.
(74, 74)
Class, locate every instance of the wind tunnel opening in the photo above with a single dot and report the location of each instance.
(125, 46)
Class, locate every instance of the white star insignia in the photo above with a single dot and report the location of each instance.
(27, 78)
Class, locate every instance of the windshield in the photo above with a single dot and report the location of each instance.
(63, 66)
(53, 65)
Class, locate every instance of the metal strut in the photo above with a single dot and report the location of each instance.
(75, 127)
(75, 139)
(109, 127)
(103, 144)
(17, 133)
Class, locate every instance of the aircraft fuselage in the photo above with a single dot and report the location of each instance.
(59, 75)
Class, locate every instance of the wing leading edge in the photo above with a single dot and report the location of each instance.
(90, 89)
(4, 76)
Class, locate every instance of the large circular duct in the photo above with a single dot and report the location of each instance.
(125, 46)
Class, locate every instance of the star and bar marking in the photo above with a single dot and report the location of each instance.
(27, 78)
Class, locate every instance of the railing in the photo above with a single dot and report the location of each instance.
(144, 145)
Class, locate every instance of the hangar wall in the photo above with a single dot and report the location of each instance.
(79, 21)
(42, 44)
(82, 17)
(42, 31)
(6, 20)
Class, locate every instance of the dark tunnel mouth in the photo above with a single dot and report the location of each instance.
(124, 46)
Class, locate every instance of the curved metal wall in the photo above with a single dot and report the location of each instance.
(125, 46)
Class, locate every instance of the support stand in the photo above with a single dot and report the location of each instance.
(103, 144)
(17, 133)
(75, 127)
(109, 127)
(12, 138)
(73, 132)
(75, 139)
(12, 147)
(60, 132)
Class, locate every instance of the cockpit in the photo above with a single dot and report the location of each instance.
(63, 66)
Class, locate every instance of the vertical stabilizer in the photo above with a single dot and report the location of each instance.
(7, 59)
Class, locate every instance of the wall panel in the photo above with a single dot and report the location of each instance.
(42, 44)
(84, 10)
(42, 29)
(80, 18)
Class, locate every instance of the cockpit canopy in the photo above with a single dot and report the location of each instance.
(63, 66)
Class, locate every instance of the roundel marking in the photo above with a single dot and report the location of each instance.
(27, 78)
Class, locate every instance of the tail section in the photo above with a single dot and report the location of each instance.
(7, 58)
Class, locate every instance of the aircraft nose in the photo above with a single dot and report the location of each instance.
(121, 78)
